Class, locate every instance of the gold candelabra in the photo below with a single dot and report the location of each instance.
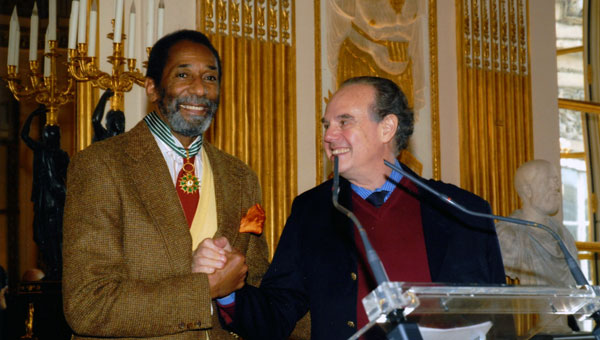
(45, 89)
(84, 68)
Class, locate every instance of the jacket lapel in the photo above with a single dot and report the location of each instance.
(228, 191)
(152, 181)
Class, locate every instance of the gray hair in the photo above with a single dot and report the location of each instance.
(389, 99)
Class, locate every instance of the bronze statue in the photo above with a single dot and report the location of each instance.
(115, 120)
(48, 192)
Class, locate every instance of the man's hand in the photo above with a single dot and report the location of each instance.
(226, 266)
(231, 278)
(210, 255)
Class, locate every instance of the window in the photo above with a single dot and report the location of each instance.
(576, 127)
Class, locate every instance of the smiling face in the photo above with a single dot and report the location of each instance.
(352, 134)
(188, 94)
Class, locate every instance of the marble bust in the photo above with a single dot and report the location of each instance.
(531, 254)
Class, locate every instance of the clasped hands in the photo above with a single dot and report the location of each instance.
(226, 267)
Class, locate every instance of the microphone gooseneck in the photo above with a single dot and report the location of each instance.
(571, 263)
(372, 257)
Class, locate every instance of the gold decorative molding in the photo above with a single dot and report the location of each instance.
(265, 20)
(320, 162)
(433, 81)
(398, 52)
(352, 62)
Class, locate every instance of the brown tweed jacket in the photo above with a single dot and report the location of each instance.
(127, 248)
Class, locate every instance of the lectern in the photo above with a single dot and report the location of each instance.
(444, 306)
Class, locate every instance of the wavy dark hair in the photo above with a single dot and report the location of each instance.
(389, 99)
(160, 51)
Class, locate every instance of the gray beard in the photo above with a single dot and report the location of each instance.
(198, 124)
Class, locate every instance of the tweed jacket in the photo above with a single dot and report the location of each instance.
(127, 248)
(315, 265)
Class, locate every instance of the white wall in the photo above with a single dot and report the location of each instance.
(544, 88)
(305, 95)
(448, 92)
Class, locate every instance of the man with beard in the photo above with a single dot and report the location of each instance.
(532, 255)
(138, 204)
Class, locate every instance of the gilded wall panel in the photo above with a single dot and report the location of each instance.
(256, 121)
(379, 38)
(495, 99)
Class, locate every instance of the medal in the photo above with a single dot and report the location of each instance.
(189, 182)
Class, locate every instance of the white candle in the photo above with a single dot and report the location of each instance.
(47, 50)
(73, 24)
(150, 24)
(92, 32)
(82, 22)
(16, 48)
(33, 33)
(131, 37)
(52, 19)
(118, 21)
(12, 36)
(161, 19)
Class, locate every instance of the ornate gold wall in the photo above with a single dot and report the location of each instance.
(256, 120)
(352, 60)
(495, 118)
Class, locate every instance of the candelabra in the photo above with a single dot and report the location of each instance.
(45, 89)
(85, 68)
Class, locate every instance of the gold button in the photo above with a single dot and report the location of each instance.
(350, 324)
(353, 276)
(190, 325)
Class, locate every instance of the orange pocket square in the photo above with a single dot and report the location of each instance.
(253, 221)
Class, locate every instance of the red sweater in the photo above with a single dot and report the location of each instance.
(396, 233)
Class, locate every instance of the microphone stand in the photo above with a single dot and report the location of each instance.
(401, 330)
(571, 263)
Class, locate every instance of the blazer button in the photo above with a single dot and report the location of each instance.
(181, 325)
(190, 325)
(199, 324)
(350, 324)
(353, 276)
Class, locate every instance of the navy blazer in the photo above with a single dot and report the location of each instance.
(316, 260)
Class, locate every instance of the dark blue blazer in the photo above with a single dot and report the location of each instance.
(316, 260)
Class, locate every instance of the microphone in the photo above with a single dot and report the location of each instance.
(571, 263)
(372, 257)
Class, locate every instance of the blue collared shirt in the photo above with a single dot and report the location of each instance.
(389, 185)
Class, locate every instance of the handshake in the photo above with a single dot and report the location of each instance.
(226, 267)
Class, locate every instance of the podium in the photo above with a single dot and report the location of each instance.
(447, 306)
